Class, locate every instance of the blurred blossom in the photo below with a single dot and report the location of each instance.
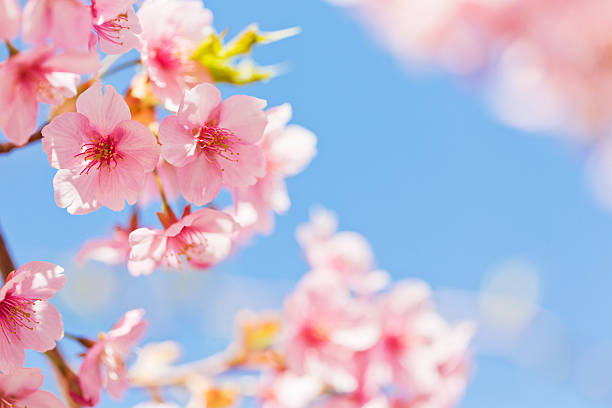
(544, 66)
(153, 360)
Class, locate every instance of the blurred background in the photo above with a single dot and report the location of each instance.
(499, 222)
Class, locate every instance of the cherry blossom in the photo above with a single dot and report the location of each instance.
(116, 25)
(215, 140)
(27, 319)
(201, 239)
(39, 75)
(287, 150)
(104, 363)
(102, 156)
(21, 389)
(171, 31)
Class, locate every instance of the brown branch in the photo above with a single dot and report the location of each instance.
(6, 262)
(8, 146)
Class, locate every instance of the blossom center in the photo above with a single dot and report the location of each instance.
(165, 56)
(216, 140)
(16, 313)
(102, 153)
(315, 334)
(111, 30)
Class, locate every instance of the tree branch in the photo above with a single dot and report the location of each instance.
(6, 262)
(8, 146)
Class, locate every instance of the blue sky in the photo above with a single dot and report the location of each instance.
(412, 160)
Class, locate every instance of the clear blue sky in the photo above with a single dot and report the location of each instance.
(413, 161)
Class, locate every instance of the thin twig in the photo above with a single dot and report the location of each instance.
(6, 262)
(117, 68)
(8, 146)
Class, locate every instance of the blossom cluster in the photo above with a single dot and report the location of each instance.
(343, 339)
(110, 149)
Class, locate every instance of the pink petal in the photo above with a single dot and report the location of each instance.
(128, 330)
(12, 356)
(127, 36)
(199, 104)
(278, 117)
(9, 19)
(75, 34)
(115, 186)
(104, 111)
(89, 374)
(107, 9)
(144, 267)
(76, 192)
(210, 220)
(21, 382)
(244, 116)
(77, 62)
(43, 280)
(42, 399)
(47, 332)
(146, 243)
(200, 181)
(137, 141)
(19, 121)
(293, 150)
(109, 251)
(245, 170)
(116, 386)
(36, 20)
(63, 139)
(178, 144)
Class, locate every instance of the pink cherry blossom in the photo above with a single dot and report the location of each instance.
(202, 239)
(345, 254)
(66, 23)
(21, 389)
(287, 150)
(426, 356)
(112, 251)
(171, 31)
(104, 363)
(102, 156)
(9, 19)
(289, 390)
(116, 25)
(214, 142)
(27, 319)
(34, 76)
(324, 329)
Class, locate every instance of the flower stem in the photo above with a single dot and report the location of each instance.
(120, 67)
(166, 206)
(11, 49)
(6, 262)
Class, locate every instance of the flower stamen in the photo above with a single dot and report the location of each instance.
(102, 153)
